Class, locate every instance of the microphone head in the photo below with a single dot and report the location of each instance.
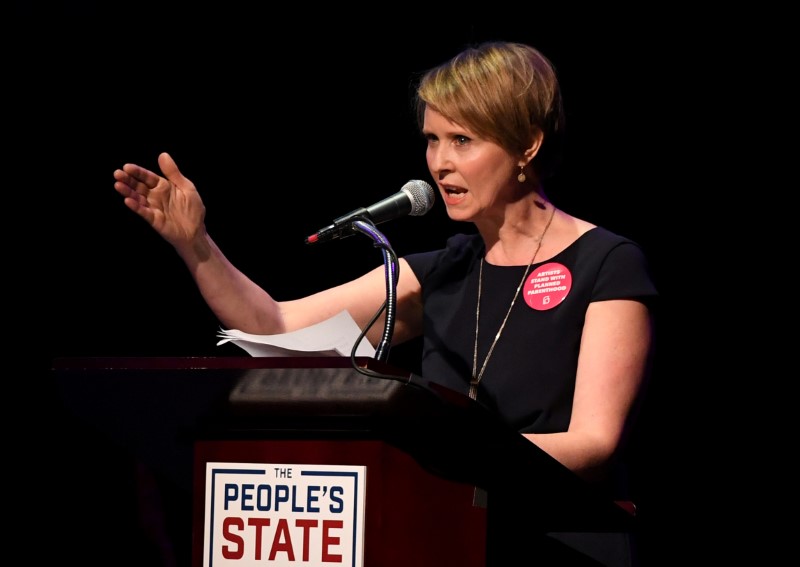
(421, 195)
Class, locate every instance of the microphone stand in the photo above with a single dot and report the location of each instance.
(392, 272)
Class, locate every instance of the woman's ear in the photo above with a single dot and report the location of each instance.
(531, 152)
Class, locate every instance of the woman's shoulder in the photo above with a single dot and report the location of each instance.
(571, 235)
(455, 245)
(458, 248)
(600, 248)
(595, 238)
(617, 264)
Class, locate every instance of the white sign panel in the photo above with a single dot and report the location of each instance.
(259, 514)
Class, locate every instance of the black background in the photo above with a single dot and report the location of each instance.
(283, 123)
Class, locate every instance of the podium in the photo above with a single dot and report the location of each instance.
(435, 460)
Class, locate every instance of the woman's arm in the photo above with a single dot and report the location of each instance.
(174, 208)
(612, 364)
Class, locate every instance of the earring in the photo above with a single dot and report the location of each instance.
(521, 177)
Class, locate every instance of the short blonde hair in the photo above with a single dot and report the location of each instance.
(503, 92)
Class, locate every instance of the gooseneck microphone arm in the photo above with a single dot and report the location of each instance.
(415, 198)
(392, 274)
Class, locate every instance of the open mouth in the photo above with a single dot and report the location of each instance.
(454, 192)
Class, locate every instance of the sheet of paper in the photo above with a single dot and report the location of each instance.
(332, 337)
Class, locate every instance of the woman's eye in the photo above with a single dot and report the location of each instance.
(461, 140)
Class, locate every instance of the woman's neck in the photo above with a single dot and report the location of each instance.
(512, 243)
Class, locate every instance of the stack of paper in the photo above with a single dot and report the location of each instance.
(332, 337)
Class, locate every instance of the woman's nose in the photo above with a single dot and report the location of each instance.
(438, 160)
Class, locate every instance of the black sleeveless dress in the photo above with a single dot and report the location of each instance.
(530, 377)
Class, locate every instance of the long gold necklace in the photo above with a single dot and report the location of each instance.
(476, 378)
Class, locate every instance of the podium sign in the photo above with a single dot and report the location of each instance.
(285, 515)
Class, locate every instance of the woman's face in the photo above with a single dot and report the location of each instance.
(474, 175)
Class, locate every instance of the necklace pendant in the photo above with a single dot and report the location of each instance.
(473, 388)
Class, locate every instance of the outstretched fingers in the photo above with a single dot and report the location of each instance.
(141, 180)
(135, 184)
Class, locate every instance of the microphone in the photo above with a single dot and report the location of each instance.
(415, 198)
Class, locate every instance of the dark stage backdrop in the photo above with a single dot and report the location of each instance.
(281, 137)
(283, 126)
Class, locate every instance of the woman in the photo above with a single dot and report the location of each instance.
(542, 316)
